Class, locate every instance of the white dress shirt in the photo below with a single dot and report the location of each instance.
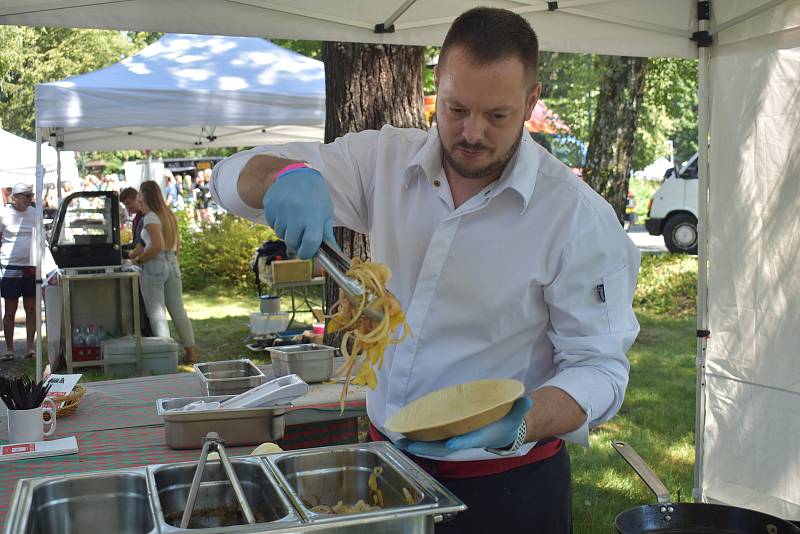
(531, 279)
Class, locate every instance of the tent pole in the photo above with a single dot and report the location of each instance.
(39, 242)
(58, 175)
(703, 89)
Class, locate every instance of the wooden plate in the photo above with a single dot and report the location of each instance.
(456, 410)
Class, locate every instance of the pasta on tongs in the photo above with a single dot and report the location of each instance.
(367, 312)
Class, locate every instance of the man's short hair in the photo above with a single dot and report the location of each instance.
(488, 34)
(129, 193)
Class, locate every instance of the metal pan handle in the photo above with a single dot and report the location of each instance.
(643, 470)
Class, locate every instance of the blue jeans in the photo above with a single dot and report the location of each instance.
(162, 291)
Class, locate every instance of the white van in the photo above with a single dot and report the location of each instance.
(673, 209)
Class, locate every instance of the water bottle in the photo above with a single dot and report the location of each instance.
(78, 339)
(91, 336)
(102, 335)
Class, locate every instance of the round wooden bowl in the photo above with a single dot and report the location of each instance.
(456, 410)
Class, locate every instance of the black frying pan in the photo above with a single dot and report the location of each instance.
(666, 517)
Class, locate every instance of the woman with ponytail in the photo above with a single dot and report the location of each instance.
(161, 285)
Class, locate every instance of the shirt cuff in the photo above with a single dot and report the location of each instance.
(224, 187)
(583, 386)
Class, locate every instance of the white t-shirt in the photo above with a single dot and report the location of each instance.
(17, 229)
(151, 218)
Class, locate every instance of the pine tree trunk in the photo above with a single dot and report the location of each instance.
(366, 87)
(611, 143)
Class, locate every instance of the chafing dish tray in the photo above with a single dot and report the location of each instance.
(229, 377)
(236, 426)
(278, 488)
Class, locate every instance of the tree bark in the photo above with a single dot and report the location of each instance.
(611, 142)
(366, 87)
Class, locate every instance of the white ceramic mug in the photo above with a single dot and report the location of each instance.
(26, 426)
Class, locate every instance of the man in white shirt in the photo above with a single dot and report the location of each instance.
(506, 264)
(17, 221)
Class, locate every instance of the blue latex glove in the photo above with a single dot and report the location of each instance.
(299, 208)
(495, 435)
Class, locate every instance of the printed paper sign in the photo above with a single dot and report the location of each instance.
(61, 385)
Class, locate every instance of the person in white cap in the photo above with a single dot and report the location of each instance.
(18, 272)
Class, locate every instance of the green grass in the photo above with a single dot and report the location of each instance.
(657, 419)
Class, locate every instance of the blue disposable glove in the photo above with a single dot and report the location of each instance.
(495, 435)
(299, 208)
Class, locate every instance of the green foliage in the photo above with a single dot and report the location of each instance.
(570, 86)
(669, 111)
(312, 49)
(220, 254)
(40, 55)
(667, 285)
(642, 191)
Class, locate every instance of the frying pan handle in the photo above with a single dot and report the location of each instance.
(643, 470)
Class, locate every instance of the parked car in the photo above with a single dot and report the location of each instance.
(672, 211)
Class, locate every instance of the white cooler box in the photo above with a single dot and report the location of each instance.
(159, 355)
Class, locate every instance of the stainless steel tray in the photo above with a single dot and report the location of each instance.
(309, 361)
(145, 500)
(116, 501)
(229, 377)
(326, 475)
(170, 485)
(238, 426)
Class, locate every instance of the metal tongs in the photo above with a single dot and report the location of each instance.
(213, 441)
(337, 266)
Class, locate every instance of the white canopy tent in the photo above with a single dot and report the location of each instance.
(749, 106)
(189, 91)
(18, 162)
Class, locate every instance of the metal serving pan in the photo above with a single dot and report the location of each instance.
(216, 508)
(229, 377)
(309, 361)
(118, 501)
(327, 475)
(237, 426)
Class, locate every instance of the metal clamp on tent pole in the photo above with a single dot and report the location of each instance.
(387, 26)
(703, 37)
(552, 6)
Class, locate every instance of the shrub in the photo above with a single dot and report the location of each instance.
(220, 254)
(667, 285)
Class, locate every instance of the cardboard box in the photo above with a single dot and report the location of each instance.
(286, 271)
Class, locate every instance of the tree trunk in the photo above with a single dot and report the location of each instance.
(366, 87)
(611, 142)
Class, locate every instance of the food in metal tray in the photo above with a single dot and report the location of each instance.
(360, 506)
(365, 340)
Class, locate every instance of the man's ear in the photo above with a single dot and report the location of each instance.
(533, 97)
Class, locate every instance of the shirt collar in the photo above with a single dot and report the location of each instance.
(519, 175)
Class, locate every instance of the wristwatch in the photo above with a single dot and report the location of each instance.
(522, 431)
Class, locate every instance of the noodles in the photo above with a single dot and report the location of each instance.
(376, 495)
(365, 340)
(375, 491)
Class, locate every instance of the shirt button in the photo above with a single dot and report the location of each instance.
(437, 183)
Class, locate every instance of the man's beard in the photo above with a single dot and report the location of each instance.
(491, 169)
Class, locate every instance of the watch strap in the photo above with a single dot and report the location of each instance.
(519, 440)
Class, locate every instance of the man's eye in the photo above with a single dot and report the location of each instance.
(458, 110)
(499, 116)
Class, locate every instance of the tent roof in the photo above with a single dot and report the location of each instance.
(621, 27)
(189, 91)
(18, 161)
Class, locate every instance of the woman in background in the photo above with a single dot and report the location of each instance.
(161, 284)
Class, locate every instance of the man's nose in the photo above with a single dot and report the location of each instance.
(474, 129)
